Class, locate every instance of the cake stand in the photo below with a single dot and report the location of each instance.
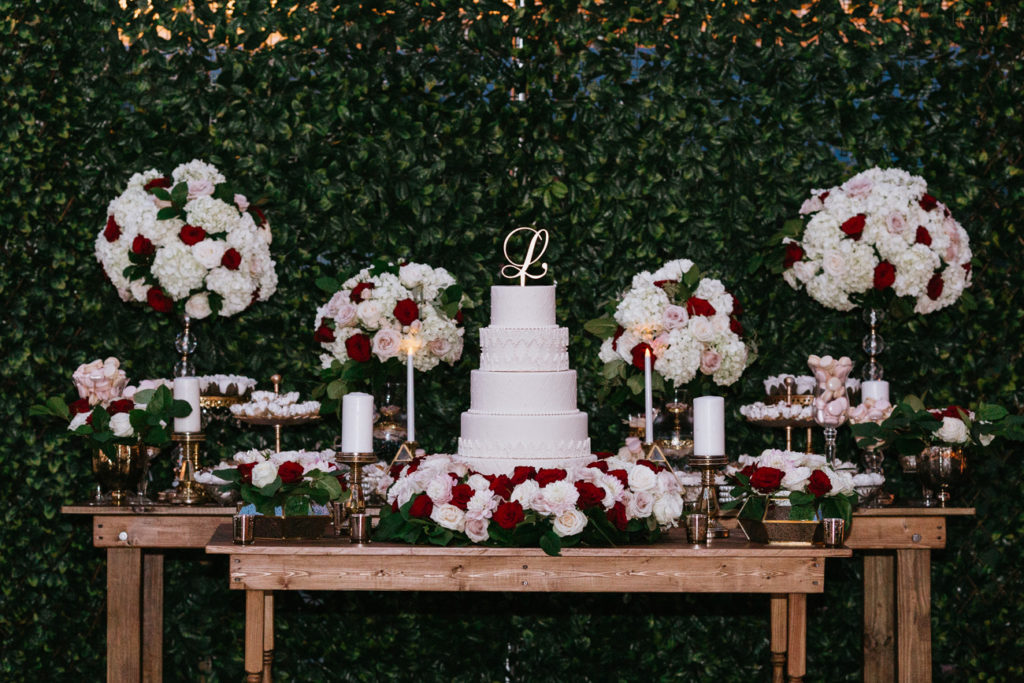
(278, 422)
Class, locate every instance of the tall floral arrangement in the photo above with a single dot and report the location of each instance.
(689, 323)
(187, 243)
(879, 234)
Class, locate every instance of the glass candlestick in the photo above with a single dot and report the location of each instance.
(873, 344)
(185, 344)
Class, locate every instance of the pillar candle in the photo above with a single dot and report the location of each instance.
(877, 390)
(648, 400)
(187, 389)
(357, 423)
(410, 400)
(709, 425)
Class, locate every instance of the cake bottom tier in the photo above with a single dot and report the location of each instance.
(497, 444)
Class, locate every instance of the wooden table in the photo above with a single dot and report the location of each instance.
(727, 566)
(135, 579)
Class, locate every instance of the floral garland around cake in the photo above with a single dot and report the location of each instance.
(437, 499)
(879, 234)
(187, 238)
(688, 322)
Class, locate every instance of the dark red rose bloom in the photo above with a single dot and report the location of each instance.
(599, 465)
(357, 292)
(748, 471)
(422, 506)
(160, 302)
(461, 495)
(121, 405)
(823, 196)
(88, 420)
(406, 311)
(923, 236)
(414, 465)
(245, 470)
(766, 479)
(885, 275)
(966, 267)
(550, 475)
(617, 516)
(508, 515)
(590, 495)
(854, 227)
(231, 259)
(928, 202)
(394, 506)
(502, 486)
(603, 455)
(935, 286)
(163, 182)
(736, 326)
(697, 306)
(324, 334)
(737, 309)
(521, 473)
(259, 214)
(290, 472)
(650, 465)
(454, 477)
(79, 406)
(951, 411)
(396, 470)
(458, 317)
(619, 331)
(660, 284)
(142, 246)
(192, 234)
(342, 480)
(112, 231)
(794, 253)
(819, 484)
(358, 347)
(621, 475)
(638, 355)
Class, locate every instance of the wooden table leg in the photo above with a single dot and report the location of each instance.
(152, 617)
(914, 614)
(779, 606)
(254, 620)
(268, 635)
(796, 646)
(879, 618)
(124, 615)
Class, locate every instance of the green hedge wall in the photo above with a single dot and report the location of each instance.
(652, 130)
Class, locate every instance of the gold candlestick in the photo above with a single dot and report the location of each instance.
(189, 491)
(359, 530)
(707, 499)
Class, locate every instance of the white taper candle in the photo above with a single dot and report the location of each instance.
(410, 399)
(709, 425)
(648, 400)
(357, 423)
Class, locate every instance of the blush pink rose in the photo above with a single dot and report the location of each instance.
(199, 188)
(440, 347)
(100, 381)
(857, 187)
(386, 343)
(896, 223)
(710, 361)
(674, 316)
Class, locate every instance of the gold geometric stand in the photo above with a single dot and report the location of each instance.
(406, 453)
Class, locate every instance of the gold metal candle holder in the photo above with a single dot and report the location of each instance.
(189, 491)
(406, 453)
(707, 499)
(359, 531)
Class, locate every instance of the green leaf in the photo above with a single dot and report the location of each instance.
(328, 284)
(551, 544)
(636, 384)
(179, 194)
(167, 213)
(603, 327)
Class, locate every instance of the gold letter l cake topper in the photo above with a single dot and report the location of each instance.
(514, 269)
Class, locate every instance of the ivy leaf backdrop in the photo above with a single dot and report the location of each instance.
(651, 129)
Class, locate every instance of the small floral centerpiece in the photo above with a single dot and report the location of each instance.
(689, 323)
(187, 243)
(879, 234)
(286, 484)
(802, 486)
(110, 413)
(437, 499)
(383, 313)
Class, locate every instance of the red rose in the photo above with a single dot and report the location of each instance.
(885, 275)
(823, 196)
(122, 405)
(290, 472)
(422, 506)
(160, 302)
(396, 470)
(599, 465)
(854, 226)
(619, 331)
(324, 334)
(246, 471)
(617, 516)
(357, 292)
(638, 355)
(259, 214)
(928, 202)
(735, 326)
(112, 231)
(603, 455)
(966, 267)
(458, 317)
(414, 465)
(923, 236)
(406, 311)
(819, 484)
(509, 515)
(766, 479)
(590, 495)
(621, 475)
(748, 471)
(794, 253)
(951, 411)
(163, 182)
(650, 465)
(697, 306)
(342, 480)
(660, 284)
(737, 309)
(502, 486)
(935, 286)
(521, 473)
(461, 495)
(79, 406)
(358, 347)
(231, 259)
(192, 234)
(550, 475)
(142, 246)
(394, 506)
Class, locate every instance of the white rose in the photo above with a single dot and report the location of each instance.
(386, 343)
(369, 313)
(570, 523)
(440, 347)
(476, 530)
(796, 478)
(643, 478)
(440, 489)
(668, 508)
(198, 306)
(79, 420)
(702, 329)
(525, 494)
(199, 188)
(640, 505)
(121, 425)
(668, 482)
(264, 473)
(478, 482)
(209, 252)
(556, 498)
(482, 504)
(613, 490)
(953, 430)
(674, 316)
(834, 263)
(449, 516)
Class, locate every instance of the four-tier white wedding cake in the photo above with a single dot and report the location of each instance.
(523, 398)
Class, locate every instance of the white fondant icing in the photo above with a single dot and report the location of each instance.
(523, 306)
(513, 349)
(522, 393)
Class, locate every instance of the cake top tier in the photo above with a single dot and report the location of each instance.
(514, 306)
